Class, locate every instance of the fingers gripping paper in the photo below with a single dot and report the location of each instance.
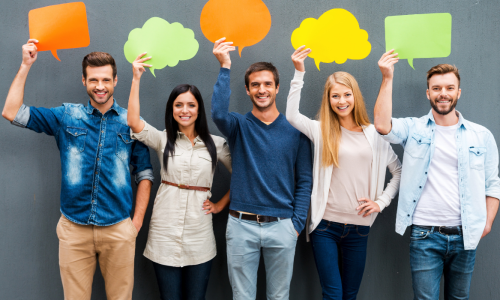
(419, 36)
(62, 26)
(167, 43)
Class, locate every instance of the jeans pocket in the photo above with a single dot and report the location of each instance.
(322, 226)
(418, 233)
(362, 230)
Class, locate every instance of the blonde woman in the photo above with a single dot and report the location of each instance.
(350, 162)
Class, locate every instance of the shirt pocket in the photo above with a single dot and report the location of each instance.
(205, 160)
(123, 146)
(418, 146)
(476, 157)
(76, 138)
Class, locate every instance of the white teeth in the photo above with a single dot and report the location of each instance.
(343, 107)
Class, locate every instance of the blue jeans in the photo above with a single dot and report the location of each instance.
(433, 254)
(352, 241)
(183, 283)
(245, 239)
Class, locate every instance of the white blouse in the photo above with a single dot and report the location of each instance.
(180, 234)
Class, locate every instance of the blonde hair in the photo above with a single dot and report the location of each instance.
(329, 120)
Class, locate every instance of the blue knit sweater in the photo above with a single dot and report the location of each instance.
(272, 164)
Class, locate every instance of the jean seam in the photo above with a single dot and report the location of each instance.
(327, 226)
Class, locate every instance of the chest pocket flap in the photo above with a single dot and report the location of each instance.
(204, 155)
(476, 157)
(76, 138)
(418, 146)
(124, 146)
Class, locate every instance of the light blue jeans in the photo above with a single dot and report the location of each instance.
(245, 239)
(433, 254)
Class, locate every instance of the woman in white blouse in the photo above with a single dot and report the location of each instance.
(181, 242)
(350, 162)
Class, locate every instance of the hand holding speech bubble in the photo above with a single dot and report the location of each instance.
(243, 22)
(62, 26)
(165, 42)
(334, 36)
(419, 36)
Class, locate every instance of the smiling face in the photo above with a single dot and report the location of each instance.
(100, 84)
(185, 110)
(342, 100)
(262, 89)
(443, 93)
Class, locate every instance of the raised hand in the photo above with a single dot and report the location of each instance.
(368, 207)
(299, 56)
(221, 52)
(30, 52)
(386, 64)
(138, 65)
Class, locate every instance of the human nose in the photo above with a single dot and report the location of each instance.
(100, 85)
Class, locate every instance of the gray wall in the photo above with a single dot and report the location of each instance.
(30, 177)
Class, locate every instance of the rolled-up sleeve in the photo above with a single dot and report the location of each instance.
(141, 163)
(399, 131)
(146, 174)
(22, 117)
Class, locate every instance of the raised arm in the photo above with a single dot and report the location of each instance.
(134, 110)
(15, 96)
(222, 91)
(383, 106)
(299, 121)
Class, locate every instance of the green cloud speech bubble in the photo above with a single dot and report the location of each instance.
(419, 36)
(166, 43)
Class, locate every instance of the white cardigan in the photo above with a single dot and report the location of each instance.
(383, 157)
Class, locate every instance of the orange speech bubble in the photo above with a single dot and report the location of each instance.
(243, 22)
(62, 26)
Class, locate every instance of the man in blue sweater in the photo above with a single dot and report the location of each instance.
(270, 184)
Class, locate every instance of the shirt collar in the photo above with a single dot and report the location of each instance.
(180, 134)
(115, 107)
(461, 119)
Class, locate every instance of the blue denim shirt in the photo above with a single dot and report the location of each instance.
(96, 151)
(477, 171)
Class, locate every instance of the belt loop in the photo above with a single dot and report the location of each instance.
(279, 220)
(240, 216)
(432, 229)
(459, 230)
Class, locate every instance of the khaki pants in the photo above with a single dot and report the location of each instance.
(79, 248)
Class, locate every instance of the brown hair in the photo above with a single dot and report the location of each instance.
(329, 121)
(442, 69)
(98, 59)
(262, 66)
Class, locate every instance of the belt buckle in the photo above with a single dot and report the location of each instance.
(183, 186)
(440, 230)
(258, 220)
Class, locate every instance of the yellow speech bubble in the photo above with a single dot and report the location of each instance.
(334, 36)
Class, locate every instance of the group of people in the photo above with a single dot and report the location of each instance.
(449, 186)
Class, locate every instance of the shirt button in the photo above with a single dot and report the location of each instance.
(100, 145)
(425, 173)
(408, 215)
(98, 158)
(95, 187)
(414, 200)
(420, 186)
(102, 131)
(93, 201)
(96, 173)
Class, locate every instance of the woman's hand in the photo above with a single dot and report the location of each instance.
(386, 64)
(211, 207)
(138, 65)
(368, 207)
(299, 56)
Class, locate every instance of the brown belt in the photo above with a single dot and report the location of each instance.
(187, 187)
(257, 218)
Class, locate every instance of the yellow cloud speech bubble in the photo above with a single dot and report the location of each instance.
(334, 36)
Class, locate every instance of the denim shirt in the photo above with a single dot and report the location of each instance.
(477, 171)
(96, 151)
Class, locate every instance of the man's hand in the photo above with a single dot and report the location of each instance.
(298, 58)
(137, 223)
(211, 207)
(487, 229)
(221, 52)
(386, 64)
(30, 52)
(138, 65)
(368, 207)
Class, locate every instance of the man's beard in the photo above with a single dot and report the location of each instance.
(91, 95)
(263, 108)
(454, 102)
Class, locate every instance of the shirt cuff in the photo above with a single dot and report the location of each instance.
(298, 75)
(22, 117)
(390, 137)
(146, 174)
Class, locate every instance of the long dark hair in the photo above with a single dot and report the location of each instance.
(200, 125)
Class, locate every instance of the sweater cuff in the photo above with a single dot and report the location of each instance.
(298, 75)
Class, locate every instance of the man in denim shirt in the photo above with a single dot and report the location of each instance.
(96, 196)
(449, 185)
